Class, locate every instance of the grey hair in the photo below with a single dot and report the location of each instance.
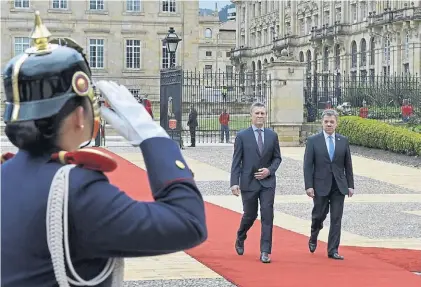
(257, 105)
(329, 113)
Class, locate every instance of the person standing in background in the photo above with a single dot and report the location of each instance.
(192, 124)
(224, 119)
(148, 105)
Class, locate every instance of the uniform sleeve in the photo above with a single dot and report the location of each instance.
(108, 223)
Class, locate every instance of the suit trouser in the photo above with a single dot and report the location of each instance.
(335, 201)
(251, 199)
(193, 136)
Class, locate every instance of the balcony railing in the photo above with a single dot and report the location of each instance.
(328, 32)
(388, 16)
(282, 43)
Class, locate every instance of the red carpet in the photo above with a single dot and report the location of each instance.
(292, 264)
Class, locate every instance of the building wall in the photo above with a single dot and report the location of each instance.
(306, 29)
(111, 27)
(215, 43)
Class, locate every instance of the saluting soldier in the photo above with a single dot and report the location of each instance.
(62, 222)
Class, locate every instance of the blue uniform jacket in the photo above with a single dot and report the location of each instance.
(104, 222)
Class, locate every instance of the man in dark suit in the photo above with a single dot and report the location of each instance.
(255, 160)
(192, 124)
(328, 177)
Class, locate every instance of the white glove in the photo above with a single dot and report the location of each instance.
(129, 118)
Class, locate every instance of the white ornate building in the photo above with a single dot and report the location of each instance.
(359, 38)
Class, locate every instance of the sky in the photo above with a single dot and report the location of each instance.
(210, 4)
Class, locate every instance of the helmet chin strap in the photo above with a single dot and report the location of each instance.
(85, 144)
(94, 131)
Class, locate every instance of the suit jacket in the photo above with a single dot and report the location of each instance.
(103, 221)
(247, 160)
(192, 121)
(319, 169)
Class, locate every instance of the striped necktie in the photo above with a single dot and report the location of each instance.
(260, 141)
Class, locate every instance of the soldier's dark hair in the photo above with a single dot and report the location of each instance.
(41, 136)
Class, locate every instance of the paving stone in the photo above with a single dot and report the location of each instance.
(372, 220)
(180, 283)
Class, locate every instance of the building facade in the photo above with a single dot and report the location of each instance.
(123, 40)
(231, 13)
(215, 44)
(359, 38)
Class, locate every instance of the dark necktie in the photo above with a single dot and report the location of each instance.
(260, 141)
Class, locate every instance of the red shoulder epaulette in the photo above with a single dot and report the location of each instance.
(87, 158)
(6, 156)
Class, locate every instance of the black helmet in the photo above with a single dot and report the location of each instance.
(40, 81)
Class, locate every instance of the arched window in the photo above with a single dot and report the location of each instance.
(208, 33)
(326, 59)
(406, 55)
(301, 57)
(353, 54)
(308, 61)
(386, 47)
(363, 49)
(338, 57)
(372, 51)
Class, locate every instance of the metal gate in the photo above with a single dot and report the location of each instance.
(170, 102)
(211, 94)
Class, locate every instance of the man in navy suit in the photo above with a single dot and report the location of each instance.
(328, 177)
(256, 158)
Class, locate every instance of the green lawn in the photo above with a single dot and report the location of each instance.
(212, 123)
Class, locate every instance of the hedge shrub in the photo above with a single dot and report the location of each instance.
(380, 135)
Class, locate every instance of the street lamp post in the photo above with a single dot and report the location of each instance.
(172, 94)
(172, 40)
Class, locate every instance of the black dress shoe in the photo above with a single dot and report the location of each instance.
(239, 247)
(312, 246)
(264, 257)
(335, 256)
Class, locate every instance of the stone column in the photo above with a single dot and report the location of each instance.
(246, 25)
(281, 19)
(293, 17)
(332, 13)
(287, 101)
(238, 20)
(321, 15)
(343, 14)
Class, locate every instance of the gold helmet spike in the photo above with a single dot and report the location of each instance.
(40, 34)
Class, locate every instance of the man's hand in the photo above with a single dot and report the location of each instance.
(262, 173)
(350, 192)
(310, 192)
(235, 189)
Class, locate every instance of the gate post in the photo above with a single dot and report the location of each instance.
(171, 83)
(286, 98)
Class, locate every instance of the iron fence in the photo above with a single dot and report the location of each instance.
(212, 93)
(381, 97)
(374, 80)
